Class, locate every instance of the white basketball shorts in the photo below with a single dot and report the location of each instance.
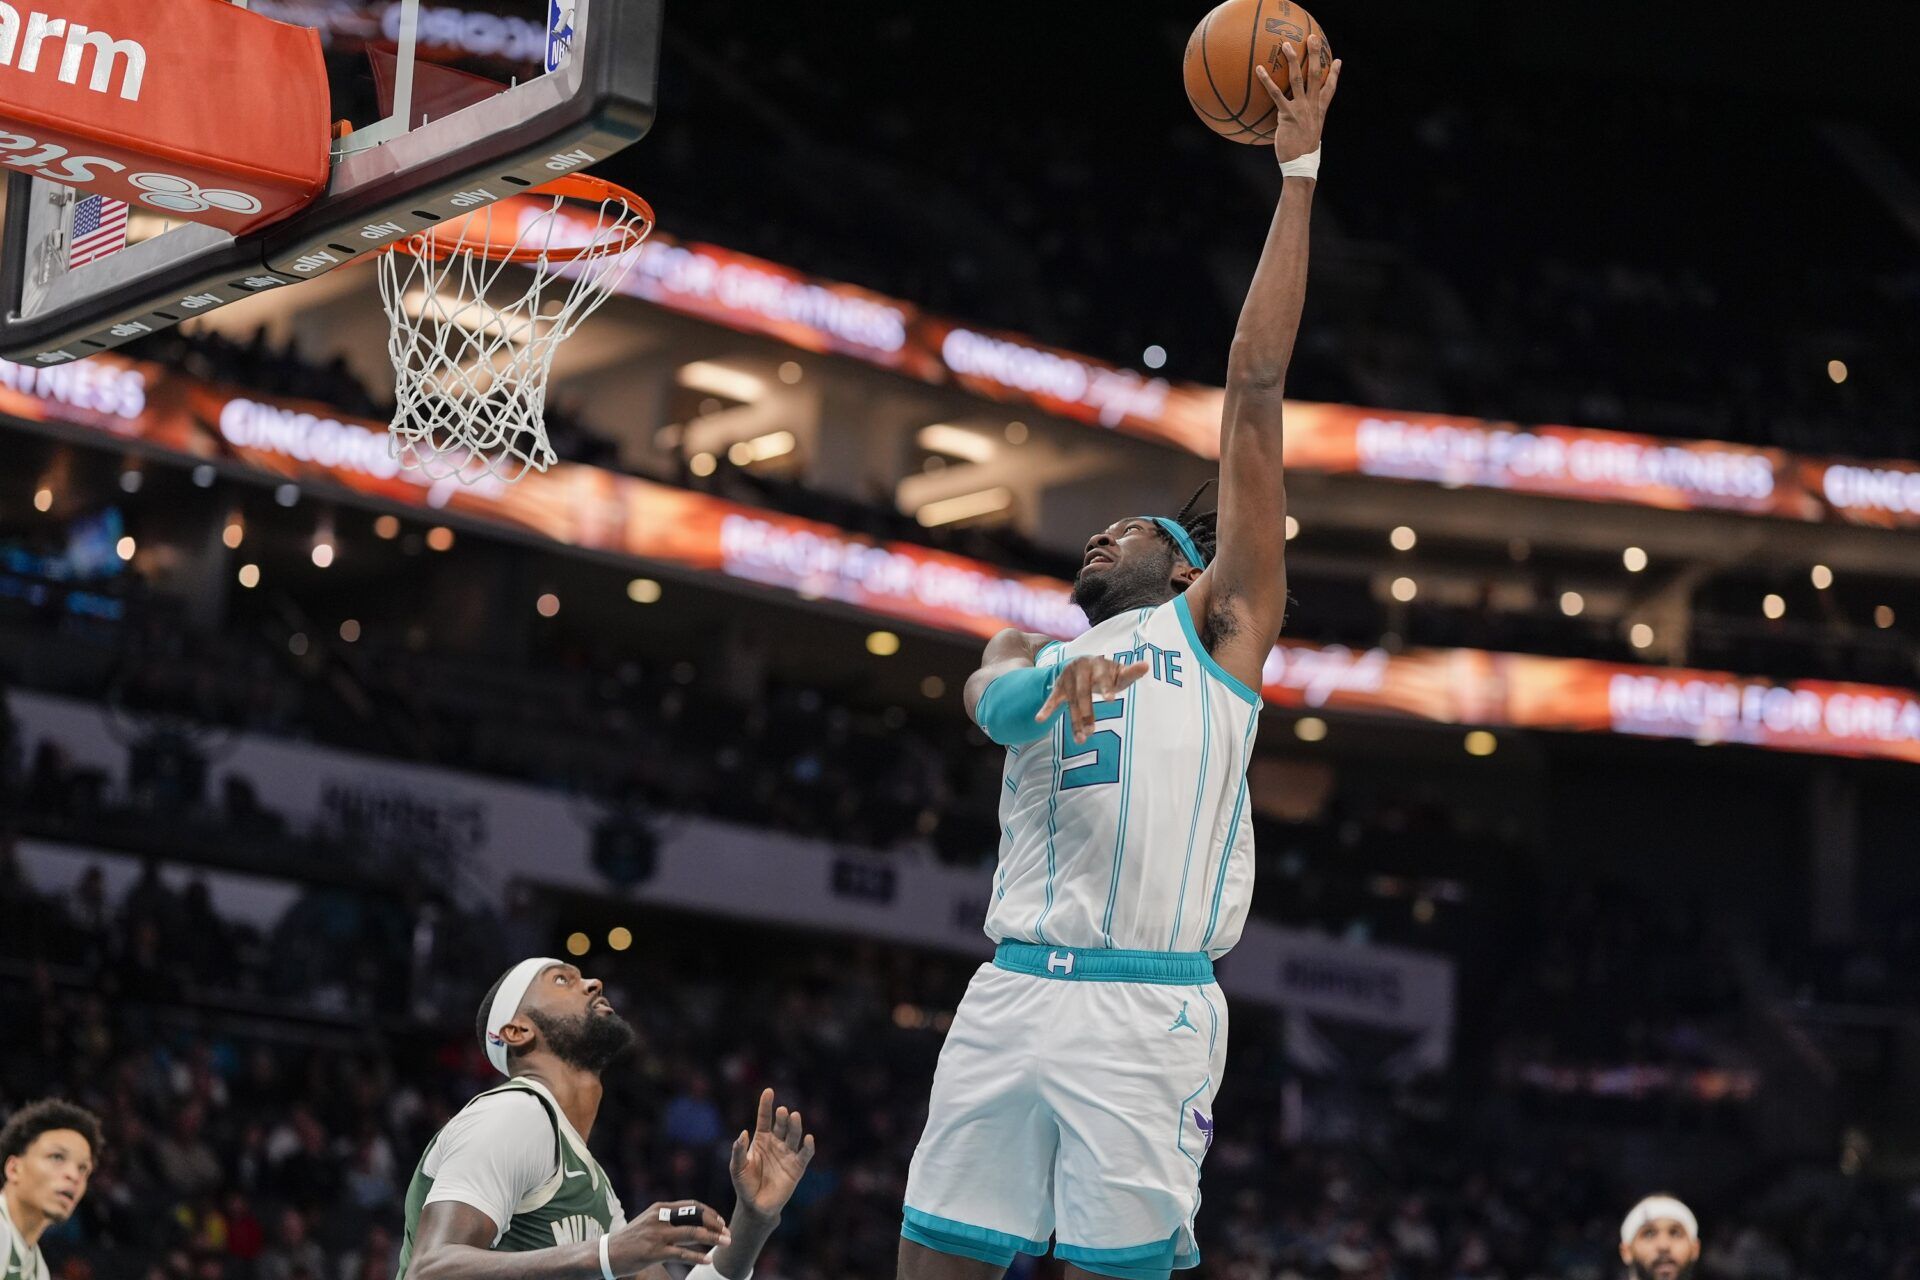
(1073, 1099)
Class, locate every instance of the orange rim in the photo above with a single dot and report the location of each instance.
(446, 238)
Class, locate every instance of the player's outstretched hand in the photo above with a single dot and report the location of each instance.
(1296, 132)
(660, 1235)
(1079, 683)
(769, 1163)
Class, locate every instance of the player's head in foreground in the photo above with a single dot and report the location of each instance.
(1143, 561)
(48, 1148)
(1660, 1240)
(544, 1013)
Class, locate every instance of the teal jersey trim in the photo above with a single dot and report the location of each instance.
(1153, 1261)
(1218, 672)
(1045, 649)
(1053, 825)
(965, 1240)
(1233, 833)
(1072, 964)
(1193, 826)
(1126, 797)
(1213, 1032)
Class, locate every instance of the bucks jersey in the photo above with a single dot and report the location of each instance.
(512, 1154)
(1137, 838)
(18, 1259)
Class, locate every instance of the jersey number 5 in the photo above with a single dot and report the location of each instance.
(1102, 744)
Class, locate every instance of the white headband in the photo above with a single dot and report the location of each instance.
(506, 1003)
(1654, 1209)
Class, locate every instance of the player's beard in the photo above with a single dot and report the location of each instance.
(1639, 1272)
(591, 1042)
(1146, 582)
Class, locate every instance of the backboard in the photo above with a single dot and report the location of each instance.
(387, 182)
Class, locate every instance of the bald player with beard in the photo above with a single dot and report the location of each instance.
(1660, 1240)
(508, 1190)
(49, 1148)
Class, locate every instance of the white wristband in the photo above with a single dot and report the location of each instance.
(705, 1271)
(1306, 166)
(606, 1264)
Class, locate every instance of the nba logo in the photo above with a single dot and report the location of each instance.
(559, 33)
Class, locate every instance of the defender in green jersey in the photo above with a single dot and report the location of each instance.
(48, 1149)
(508, 1190)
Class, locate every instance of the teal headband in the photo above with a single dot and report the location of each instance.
(1181, 539)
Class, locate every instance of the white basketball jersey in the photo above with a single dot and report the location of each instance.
(1137, 838)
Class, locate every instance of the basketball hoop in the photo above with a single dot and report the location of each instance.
(473, 343)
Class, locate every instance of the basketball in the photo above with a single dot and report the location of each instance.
(1223, 51)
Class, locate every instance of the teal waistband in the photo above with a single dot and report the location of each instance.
(1094, 964)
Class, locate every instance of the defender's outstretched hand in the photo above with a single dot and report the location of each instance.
(768, 1164)
(1297, 130)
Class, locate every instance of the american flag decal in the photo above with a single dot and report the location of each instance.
(99, 229)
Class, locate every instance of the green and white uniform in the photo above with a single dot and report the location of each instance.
(512, 1154)
(22, 1261)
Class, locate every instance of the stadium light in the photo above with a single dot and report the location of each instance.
(1641, 636)
(234, 534)
(1774, 606)
(125, 547)
(982, 502)
(1293, 528)
(1634, 558)
(1016, 433)
(1883, 616)
(1837, 370)
(703, 464)
(249, 576)
(643, 591)
(287, 494)
(1481, 743)
(386, 528)
(350, 630)
(1154, 357)
(883, 644)
(1310, 729)
(43, 499)
(131, 479)
(775, 444)
(620, 938)
(322, 554)
(1405, 589)
(958, 442)
(577, 944)
(440, 538)
(1572, 603)
(204, 475)
(1403, 538)
(720, 380)
(933, 687)
(791, 372)
(1822, 577)
(548, 605)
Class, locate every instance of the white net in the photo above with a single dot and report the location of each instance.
(479, 307)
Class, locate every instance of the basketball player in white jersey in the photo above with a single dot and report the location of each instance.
(1074, 1094)
(508, 1190)
(48, 1148)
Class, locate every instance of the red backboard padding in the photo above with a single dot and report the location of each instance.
(190, 108)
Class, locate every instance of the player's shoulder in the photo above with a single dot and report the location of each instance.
(508, 1111)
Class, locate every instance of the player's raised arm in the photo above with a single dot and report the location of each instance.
(1240, 601)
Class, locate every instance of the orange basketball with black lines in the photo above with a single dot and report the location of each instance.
(1225, 48)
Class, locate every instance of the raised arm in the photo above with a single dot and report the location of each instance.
(1240, 602)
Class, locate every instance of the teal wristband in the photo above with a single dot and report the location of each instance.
(1007, 709)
